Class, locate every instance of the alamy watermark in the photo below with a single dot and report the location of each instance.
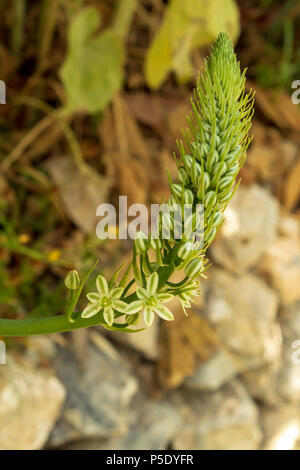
(2, 92)
(2, 353)
(296, 354)
(165, 221)
(296, 94)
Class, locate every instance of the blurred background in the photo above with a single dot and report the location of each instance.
(96, 94)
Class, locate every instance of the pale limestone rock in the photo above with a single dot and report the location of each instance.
(281, 427)
(30, 403)
(242, 310)
(213, 373)
(98, 394)
(281, 266)
(289, 374)
(223, 420)
(145, 342)
(250, 226)
(154, 424)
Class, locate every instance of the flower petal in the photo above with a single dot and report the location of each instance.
(148, 316)
(91, 310)
(165, 297)
(116, 293)
(141, 293)
(120, 305)
(152, 284)
(164, 313)
(102, 286)
(108, 316)
(134, 307)
(94, 297)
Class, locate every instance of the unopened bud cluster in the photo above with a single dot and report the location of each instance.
(211, 154)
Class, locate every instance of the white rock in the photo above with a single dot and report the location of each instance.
(30, 403)
(98, 394)
(281, 427)
(223, 420)
(213, 373)
(145, 341)
(281, 266)
(243, 312)
(250, 226)
(289, 374)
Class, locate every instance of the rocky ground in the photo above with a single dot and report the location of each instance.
(225, 378)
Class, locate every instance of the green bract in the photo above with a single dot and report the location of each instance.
(211, 154)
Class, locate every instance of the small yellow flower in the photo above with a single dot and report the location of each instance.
(54, 255)
(24, 238)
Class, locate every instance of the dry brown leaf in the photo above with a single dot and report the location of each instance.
(291, 193)
(147, 108)
(185, 343)
(278, 107)
(80, 193)
(130, 177)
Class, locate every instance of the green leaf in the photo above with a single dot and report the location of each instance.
(186, 25)
(93, 69)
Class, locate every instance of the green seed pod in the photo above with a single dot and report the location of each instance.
(185, 250)
(141, 243)
(183, 176)
(194, 267)
(72, 280)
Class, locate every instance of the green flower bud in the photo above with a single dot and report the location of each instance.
(212, 160)
(232, 155)
(217, 219)
(209, 201)
(134, 319)
(185, 250)
(72, 280)
(225, 197)
(225, 183)
(166, 225)
(177, 190)
(155, 243)
(233, 171)
(188, 162)
(141, 243)
(210, 236)
(188, 197)
(194, 267)
(183, 176)
(218, 171)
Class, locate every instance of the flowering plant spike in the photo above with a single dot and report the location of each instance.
(210, 155)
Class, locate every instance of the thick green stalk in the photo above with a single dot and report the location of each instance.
(45, 326)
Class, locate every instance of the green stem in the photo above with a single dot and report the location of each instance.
(45, 326)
